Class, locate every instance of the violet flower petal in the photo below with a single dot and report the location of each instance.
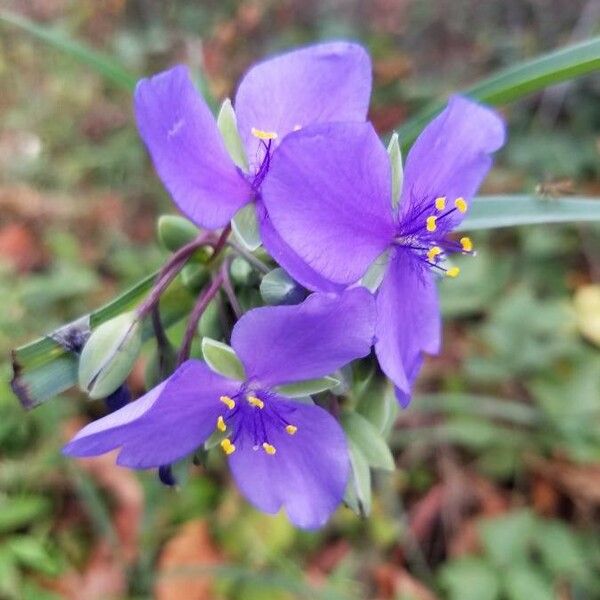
(450, 159)
(408, 318)
(316, 84)
(308, 473)
(187, 149)
(284, 344)
(328, 196)
(164, 425)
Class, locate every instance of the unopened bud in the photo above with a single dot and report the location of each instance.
(109, 354)
(277, 287)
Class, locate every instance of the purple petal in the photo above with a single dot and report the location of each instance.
(328, 196)
(164, 425)
(412, 371)
(284, 344)
(187, 149)
(408, 318)
(325, 82)
(308, 473)
(450, 158)
(289, 260)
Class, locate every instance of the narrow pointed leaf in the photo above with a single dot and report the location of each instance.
(222, 359)
(358, 492)
(494, 212)
(367, 438)
(227, 124)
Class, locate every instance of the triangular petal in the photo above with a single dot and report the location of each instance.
(284, 344)
(187, 149)
(164, 425)
(316, 84)
(328, 196)
(450, 159)
(308, 473)
(408, 318)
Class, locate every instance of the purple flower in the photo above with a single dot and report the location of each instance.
(329, 197)
(282, 452)
(317, 84)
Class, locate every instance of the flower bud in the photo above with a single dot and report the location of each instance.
(242, 272)
(277, 287)
(175, 231)
(109, 355)
(194, 277)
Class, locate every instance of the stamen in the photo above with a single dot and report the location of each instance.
(263, 135)
(221, 424)
(269, 449)
(431, 223)
(453, 272)
(254, 401)
(291, 429)
(227, 446)
(229, 402)
(466, 243)
(433, 252)
(461, 205)
(440, 203)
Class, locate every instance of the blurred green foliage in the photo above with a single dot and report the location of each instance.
(515, 387)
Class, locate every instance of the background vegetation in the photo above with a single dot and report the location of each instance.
(497, 489)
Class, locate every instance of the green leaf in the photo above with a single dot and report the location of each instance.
(19, 511)
(227, 124)
(470, 579)
(395, 155)
(245, 227)
(518, 81)
(494, 212)
(102, 64)
(523, 582)
(308, 387)
(31, 552)
(222, 359)
(374, 276)
(277, 287)
(358, 492)
(507, 539)
(378, 405)
(367, 438)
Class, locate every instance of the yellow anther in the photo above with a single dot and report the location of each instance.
(431, 223)
(221, 424)
(229, 402)
(453, 272)
(291, 429)
(433, 252)
(263, 135)
(269, 449)
(254, 401)
(227, 446)
(466, 243)
(461, 204)
(440, 203)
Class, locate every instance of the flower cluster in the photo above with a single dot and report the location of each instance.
(296, 154)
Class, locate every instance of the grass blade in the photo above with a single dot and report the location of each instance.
(517, 81)
(102, 64)
(494, 212)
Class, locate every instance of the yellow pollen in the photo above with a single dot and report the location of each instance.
(263, 135)
(257, 402)
(461, 204)
(221, 424)
(453, 272)
(440, 203)
(229, 402)
(291, 429)
(431, 223)
(269, 449)
(466, 243)
(227, 446)
(433, 252)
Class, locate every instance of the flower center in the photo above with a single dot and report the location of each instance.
(425, 235)
(263, 155)
(253, 415)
